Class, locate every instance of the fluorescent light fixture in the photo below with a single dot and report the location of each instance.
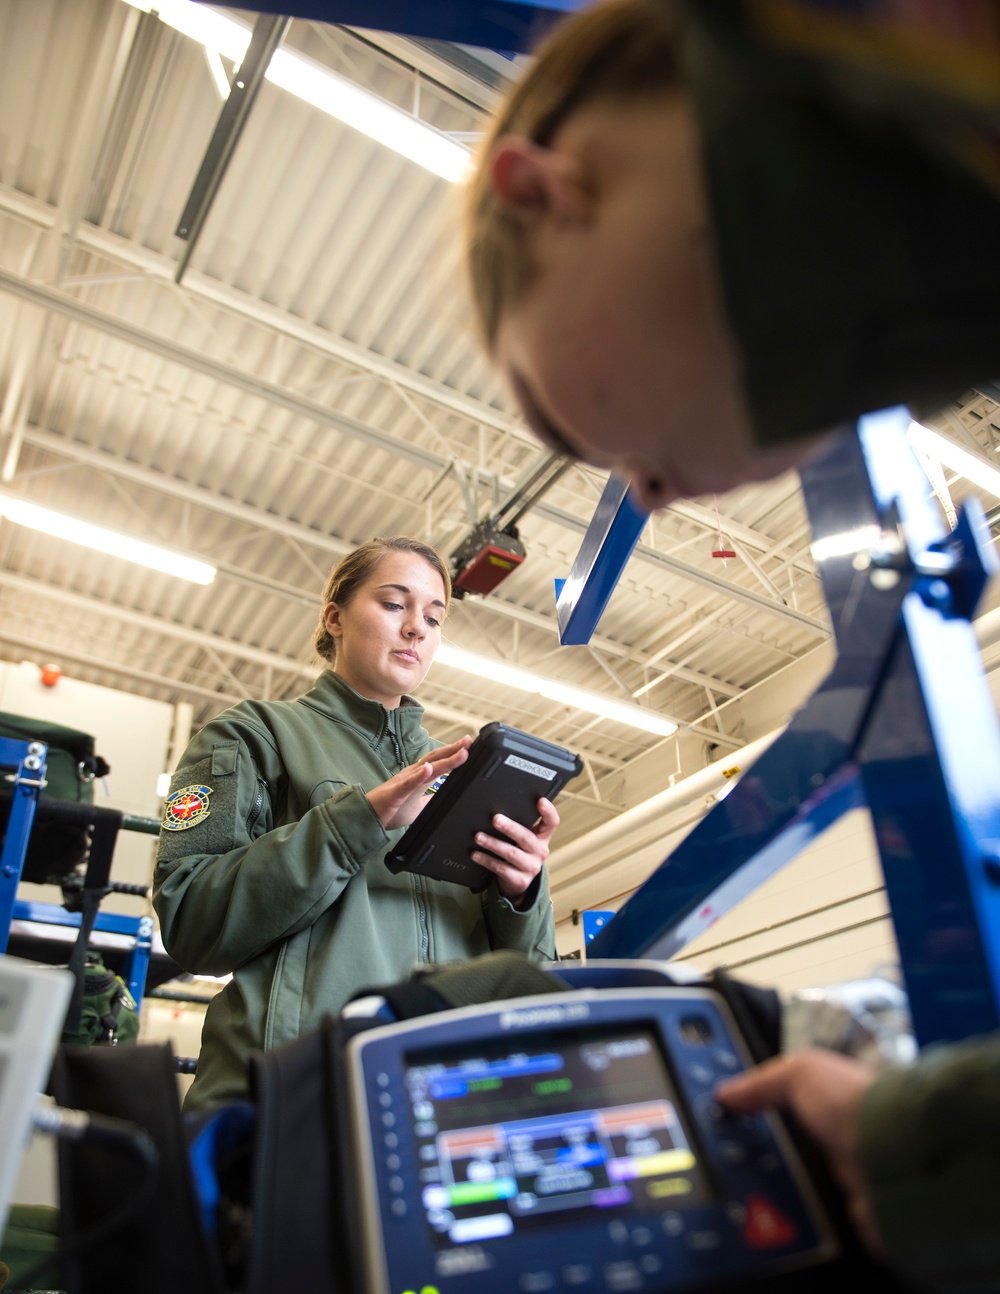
(105, 541)
(323, 89)
(577, 697)
(960, 460)
(845, 542)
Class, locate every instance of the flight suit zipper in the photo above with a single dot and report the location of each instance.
(255, 808)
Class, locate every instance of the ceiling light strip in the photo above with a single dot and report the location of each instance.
(322, 89)
(110, 542)
(496, 671)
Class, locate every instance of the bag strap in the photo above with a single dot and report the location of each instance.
(162, 1249)
(106, 823)
(494, 977)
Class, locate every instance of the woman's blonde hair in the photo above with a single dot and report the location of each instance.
(353, 570)
(618, 50)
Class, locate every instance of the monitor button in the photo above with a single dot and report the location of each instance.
(536, 1282)
(766, 1227)
(623, 1277)
(577, 1274)
(736, 1213)
(642, 1236)
(704, 1240)
(672, 1223)
(696, 1030)
(715, 1113)
(703, 1075)
(732, 1152)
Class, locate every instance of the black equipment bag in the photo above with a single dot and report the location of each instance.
(161, 1248)
(300, 1093)
(285, 1208)
(55, 847)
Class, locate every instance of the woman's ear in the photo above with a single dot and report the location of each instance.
(331, 618)
(535, 181)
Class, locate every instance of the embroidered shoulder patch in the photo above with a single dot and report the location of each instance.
(186, 808)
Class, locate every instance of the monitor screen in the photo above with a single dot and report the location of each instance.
(528, 1132)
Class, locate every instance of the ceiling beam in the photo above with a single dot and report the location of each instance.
(256, 519)
(89, 316)
(212, 292)
(223, 647)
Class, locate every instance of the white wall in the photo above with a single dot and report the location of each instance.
(133, 735)
(822, 919)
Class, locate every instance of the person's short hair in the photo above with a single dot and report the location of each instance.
(353, 570)
(615, 50)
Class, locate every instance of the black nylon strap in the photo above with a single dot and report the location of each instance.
(106, 823)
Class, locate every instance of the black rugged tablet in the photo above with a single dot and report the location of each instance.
(507, 772)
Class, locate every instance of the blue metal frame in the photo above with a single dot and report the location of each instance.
(595, 919)
(904, 723)
(609, 542)
(504, 25)
(134, 967)
(27, 760)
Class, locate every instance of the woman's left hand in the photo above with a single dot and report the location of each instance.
(516, 856)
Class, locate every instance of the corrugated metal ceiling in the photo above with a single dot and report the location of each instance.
(310, 383)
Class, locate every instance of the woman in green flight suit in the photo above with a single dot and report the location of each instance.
(270, 865)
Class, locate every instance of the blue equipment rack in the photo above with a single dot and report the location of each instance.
(27, 762)
(904, 724)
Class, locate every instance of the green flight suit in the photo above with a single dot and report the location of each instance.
(930, 1150)
(282, 882)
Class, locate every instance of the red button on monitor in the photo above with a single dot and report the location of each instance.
(765, 1226)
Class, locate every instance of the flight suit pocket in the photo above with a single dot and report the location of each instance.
(202, 808)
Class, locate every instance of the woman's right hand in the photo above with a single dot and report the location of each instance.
(398, 801)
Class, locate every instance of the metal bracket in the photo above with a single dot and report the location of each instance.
(904, 723)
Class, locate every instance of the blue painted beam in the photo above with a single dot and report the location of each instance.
(610, 540)
(905, 723)
(27, 761)
(503, 25)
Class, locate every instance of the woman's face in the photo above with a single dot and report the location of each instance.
(618, 351)
(388, 632)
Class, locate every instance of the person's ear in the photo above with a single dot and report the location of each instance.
(534, 181)
(331, 618)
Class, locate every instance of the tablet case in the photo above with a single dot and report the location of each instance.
(507, 772)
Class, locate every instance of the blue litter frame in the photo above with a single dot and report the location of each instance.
(904, 724)
(134, 968)
(25, 763)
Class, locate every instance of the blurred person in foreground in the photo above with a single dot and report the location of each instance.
(700, 238)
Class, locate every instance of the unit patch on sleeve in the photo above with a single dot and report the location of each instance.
(186, 808)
